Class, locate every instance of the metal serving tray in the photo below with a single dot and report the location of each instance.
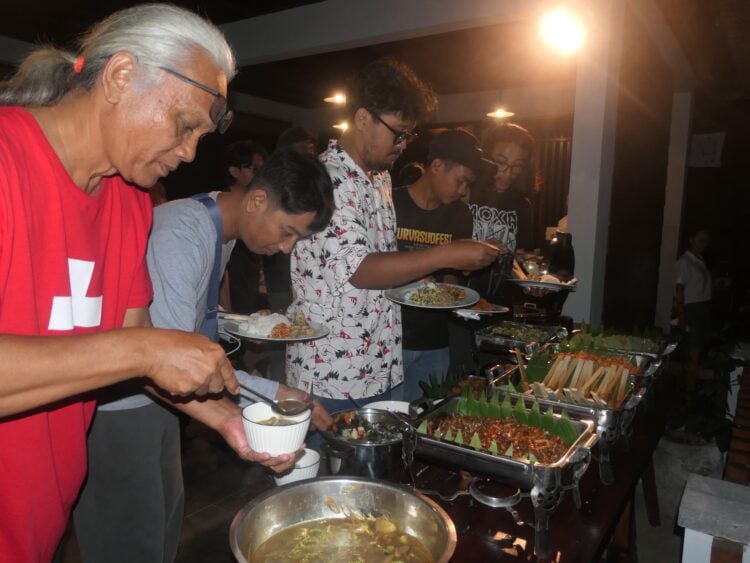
(485, 340)
(648, 365)
(610, 424)
(666, 347)
(521, 473)
(545, 483)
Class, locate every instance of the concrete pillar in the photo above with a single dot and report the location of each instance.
(679, 143)
(592, 158)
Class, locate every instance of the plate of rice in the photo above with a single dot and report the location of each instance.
(275, 328)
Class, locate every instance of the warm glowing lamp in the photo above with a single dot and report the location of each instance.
(338, 99)
(343, 126)
(563, 31)
(500, 113)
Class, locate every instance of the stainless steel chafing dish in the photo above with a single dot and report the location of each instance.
(491, 338)
(545, 484)
(611, 424)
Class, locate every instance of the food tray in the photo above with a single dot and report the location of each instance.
(521, 473)
(486, 340)
(611, 424)
(665, 348)
(545, 483)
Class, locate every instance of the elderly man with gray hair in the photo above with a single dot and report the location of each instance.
(77, 132)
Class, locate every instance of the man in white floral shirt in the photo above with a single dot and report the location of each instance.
(339, 274)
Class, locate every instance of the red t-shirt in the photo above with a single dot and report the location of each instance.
(70, 263)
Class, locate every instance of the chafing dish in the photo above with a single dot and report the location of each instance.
(544, 484)
(493, 338)
(611, 424)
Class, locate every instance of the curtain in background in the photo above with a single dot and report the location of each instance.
(549, 203)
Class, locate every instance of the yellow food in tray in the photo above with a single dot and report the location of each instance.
(585, 378)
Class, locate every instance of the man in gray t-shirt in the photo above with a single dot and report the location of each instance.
(131, 506)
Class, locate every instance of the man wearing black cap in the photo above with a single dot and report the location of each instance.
(299, 139)
(430, 213)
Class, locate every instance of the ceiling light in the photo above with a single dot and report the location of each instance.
(563, 31)
(338, 99)
(500, 113)
(343, 126)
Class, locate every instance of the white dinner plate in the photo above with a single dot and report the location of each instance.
(401, 295)
(224, 316)
(548, 286)
(233, 327)
(496, 310)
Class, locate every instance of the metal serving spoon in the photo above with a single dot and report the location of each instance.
(285, 407)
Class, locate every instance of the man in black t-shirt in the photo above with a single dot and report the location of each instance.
(430, 213)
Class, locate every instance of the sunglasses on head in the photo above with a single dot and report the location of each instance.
(220, 114)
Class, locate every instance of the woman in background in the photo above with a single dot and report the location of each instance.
(501, 209)
(693, 296)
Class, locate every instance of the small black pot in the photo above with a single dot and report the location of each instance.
(382, 460)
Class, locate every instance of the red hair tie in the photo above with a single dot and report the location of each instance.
(78, 64)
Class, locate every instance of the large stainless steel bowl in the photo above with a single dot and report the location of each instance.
(335, 497)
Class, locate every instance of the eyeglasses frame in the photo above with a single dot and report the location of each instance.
(398, 136)
(502, 167)
(219, 111)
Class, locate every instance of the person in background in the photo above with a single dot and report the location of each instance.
(78, 130)
(339, 274)
(430, 213)
(299, 139)
(501, 210)
(409, 173)
(132, 504)
(693, 293)
(276, 268)
(242, 160)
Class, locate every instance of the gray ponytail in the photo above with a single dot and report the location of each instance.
(157, 34)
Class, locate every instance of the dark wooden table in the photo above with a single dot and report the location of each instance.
(577, 536)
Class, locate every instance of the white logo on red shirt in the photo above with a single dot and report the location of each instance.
(76, 310)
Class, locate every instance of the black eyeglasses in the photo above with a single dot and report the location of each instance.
(515, 169)
(398, 136)
(220, 114)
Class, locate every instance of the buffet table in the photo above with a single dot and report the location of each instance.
(491, 534)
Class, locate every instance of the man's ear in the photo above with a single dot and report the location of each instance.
(361, 119)
(234, 171)
(436, 164)
(118, 75)
(256, 200)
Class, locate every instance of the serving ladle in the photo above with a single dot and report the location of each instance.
(285, 407)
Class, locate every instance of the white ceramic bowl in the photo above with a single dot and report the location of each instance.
(275, 440)
(306, 467)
